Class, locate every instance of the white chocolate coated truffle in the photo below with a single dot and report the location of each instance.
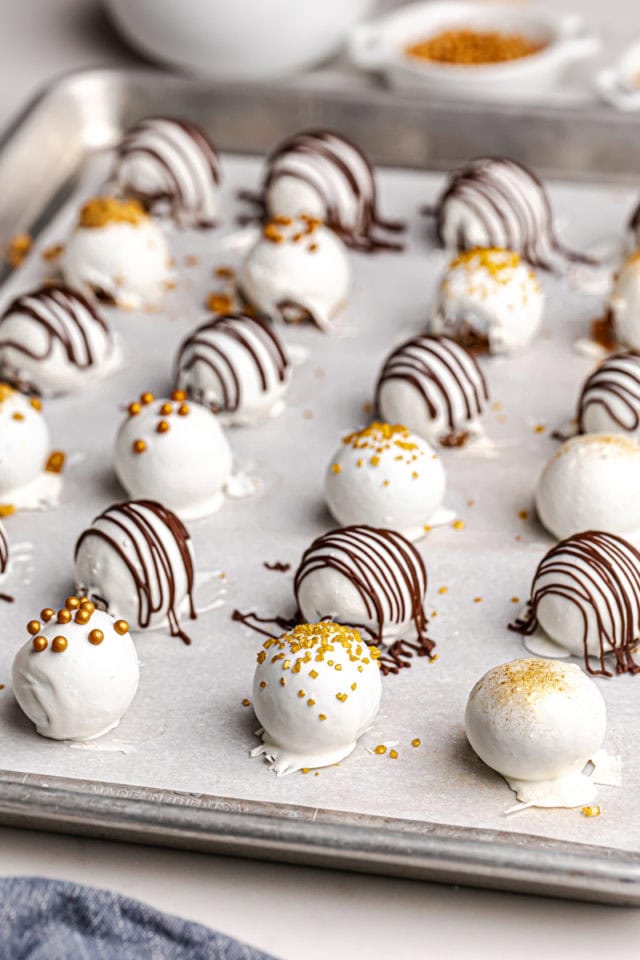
(136, 561)
(77, 687)
(24, 444)
(489, 297)
(171, 167)
(591, 483)
(324, 175)
(538, 721)
(624, 303)
(585, 595)
(173, 452)
(371, 579)
(496, 202)
(53, 341)
(385, 476)
(118, 252)
(610, 398)
(434, 387)
(298, 270)
(237, 366)
(316, 690)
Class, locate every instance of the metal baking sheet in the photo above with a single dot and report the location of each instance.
(177, 770)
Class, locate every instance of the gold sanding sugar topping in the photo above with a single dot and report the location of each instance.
(526, 679)
(313, 641)
(472, 47)
(99, 211)
(381, 438)
(591, 811)
(498, 262)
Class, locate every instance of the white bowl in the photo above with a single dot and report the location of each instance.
(380, 45)
(619, 84)
(237, 39)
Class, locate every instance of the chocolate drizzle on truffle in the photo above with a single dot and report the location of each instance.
(508, 204)
(389, 576)
(614, 386)
(136, 535)
(344, 179)
(187, 166)
(445, 375)
(66, 317)
(208, 345)
(600, 574)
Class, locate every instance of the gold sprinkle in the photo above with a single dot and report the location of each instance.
(539, 428)
(72, 603)
(283, 682)
(313, 673)
(59, 644)
(458, 524)
(55, 463)
(64, 616)
(393, 754)
(354, 686)
(380, 749)
(6, 509)
(416, 742)
(225, 273)
(134, 409)
(47, 614)
(53, 252)
(17, 416)
(523, 514)
(341, 697)
(263, 684)
(246, 702)
(301, 694)
(305, 770)
(19, 249)
(166, 409)
(121, 627)
(138, 446)
(183, 410)
(99, 211)
(515, 599)
(311, 702)
(477, 599)
(87, 606)
(36, 403)
(33, 627)
(96, 637)
(219, 302)
(591, 811)
(443, 589)
(83, 616)
(146, 398)
(178, 396)
(322, 716)
(163, 427)
(39, 644)
(336, 468)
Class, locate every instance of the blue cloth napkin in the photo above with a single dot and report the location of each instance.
(54, 920)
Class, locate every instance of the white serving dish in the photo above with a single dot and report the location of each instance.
(379, 45)
(619, 84)
(238, 40)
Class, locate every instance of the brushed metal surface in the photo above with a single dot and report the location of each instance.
(41, 157)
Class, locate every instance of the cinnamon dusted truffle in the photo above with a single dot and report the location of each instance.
(610, 398)
(53, 341)
(371, 579)
(495, 202)
(316, 691)
(385, 476)
(77, 674)
(585, 595)
(118, 253)
(591, 483)
(297, 271)
(174, 451)
(538, 723)
(172, 168)
(435, 387)
(237, 366)
(489, 299)
(324, 175)
(136, 561)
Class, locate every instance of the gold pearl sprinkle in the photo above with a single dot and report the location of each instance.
(322, 716)
(163, 427)
(301, 694)
(393, 754)
(416, 742)
(246, 703)
(146, 398)
(166, 409)
(96, 637)
(380, 749)
(178, 396)
(35, 403)
(47, 614)
(33, 627)
(87, 606)
(59, 644)
(263, 684)
(134, 409)
(82, 616)
(64, 616)
(72, 603)
(138, 446)
(39, 644)
(121, 627)
(183, 409)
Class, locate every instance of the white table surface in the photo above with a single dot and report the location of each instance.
(292, 912)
